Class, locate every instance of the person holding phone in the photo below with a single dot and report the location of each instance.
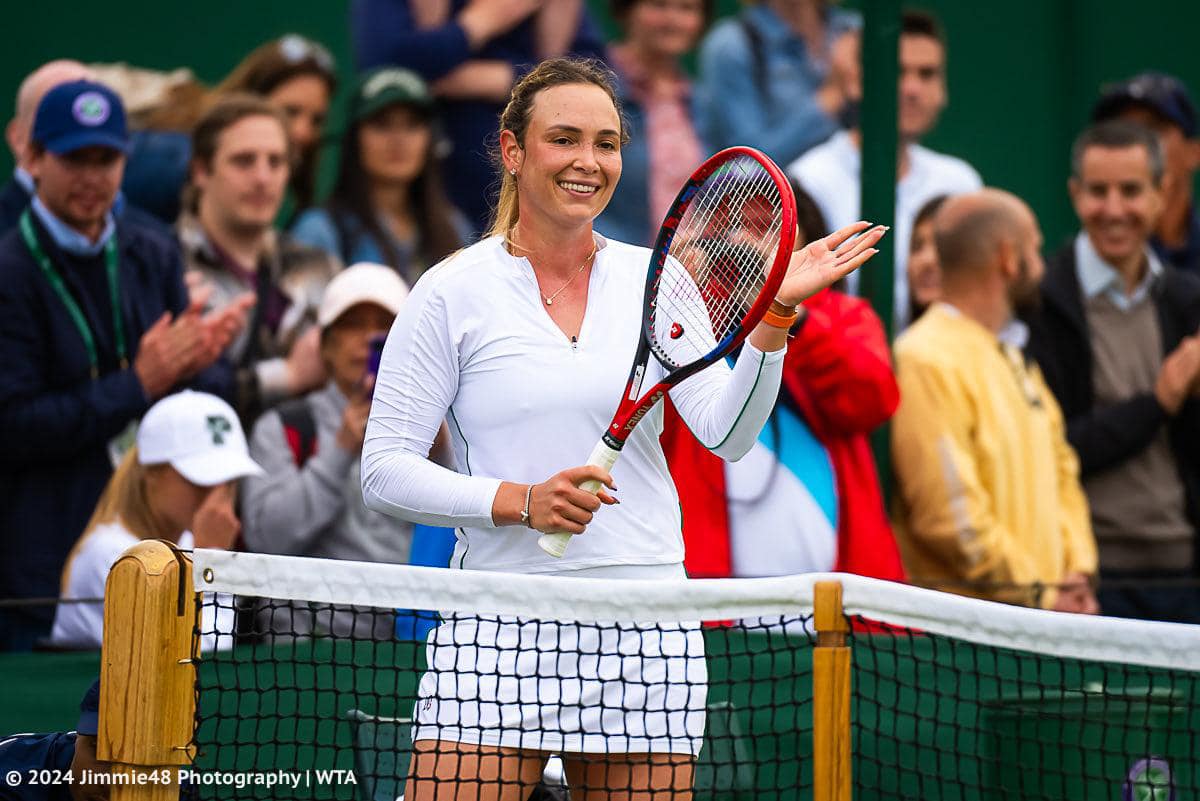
(308, 501)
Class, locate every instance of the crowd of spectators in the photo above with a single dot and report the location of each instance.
(831, 171)
(389, 204)
(163, 247)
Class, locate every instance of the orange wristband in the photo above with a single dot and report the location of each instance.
(779, 320)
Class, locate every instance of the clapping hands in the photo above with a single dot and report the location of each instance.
(175, 349)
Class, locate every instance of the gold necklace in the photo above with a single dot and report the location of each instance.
(550, 298)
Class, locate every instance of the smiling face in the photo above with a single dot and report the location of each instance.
(79, 187)
(1118, 202)
(570, 161)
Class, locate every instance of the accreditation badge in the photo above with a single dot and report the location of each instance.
(119, 445)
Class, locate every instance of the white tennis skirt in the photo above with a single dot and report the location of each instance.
(565, 687)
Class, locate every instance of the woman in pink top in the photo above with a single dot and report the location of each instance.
(656, 96)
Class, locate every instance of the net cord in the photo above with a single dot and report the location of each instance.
(1162, 645)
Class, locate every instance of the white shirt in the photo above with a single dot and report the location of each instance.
(831, 171)
(81, 625)
(765, 498)
(475, 345)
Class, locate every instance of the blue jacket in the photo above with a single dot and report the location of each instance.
(627, 216)
(13, 200)
(156, 171)
(1186, 257)
(345, 236)
(24, 753)
(55, 422)
(758, 84)
(383, 33)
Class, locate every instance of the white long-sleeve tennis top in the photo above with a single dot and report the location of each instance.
(474, 345)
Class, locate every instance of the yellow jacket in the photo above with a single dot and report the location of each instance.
(988, 488)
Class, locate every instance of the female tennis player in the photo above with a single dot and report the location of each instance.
(523, 343)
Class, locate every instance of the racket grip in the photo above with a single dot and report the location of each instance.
(555, 543)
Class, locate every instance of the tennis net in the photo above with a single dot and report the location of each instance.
(705, 687)
(626, 684)
(963, 699)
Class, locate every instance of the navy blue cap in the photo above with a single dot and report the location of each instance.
(1163, 94)
(89, 711)
(80, 114)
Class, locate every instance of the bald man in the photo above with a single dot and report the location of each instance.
(30, 94)
(15, 195)
(988, 502)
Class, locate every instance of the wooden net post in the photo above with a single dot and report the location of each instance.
(147, 672)
(831, 696)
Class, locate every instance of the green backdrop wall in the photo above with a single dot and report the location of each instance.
(1022, 72)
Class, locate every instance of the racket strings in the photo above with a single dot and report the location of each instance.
(717, 263)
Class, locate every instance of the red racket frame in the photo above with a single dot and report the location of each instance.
(630, 412)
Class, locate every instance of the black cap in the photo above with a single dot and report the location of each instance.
(1163, 94)
(89, 711)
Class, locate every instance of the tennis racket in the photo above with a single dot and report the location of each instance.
(721, 254)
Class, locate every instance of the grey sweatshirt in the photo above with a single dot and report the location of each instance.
(317, 511)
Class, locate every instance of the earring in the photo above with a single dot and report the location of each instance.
(513, 172)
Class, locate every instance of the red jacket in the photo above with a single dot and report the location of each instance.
(838, 371)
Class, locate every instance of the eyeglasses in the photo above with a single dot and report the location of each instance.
(295, 48)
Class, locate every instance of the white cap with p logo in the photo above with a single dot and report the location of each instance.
(199, 435)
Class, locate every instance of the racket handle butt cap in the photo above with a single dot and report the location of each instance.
(554, 544)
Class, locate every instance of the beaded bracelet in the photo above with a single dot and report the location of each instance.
(525, 511)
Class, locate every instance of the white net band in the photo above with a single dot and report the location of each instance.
(1099, 639)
